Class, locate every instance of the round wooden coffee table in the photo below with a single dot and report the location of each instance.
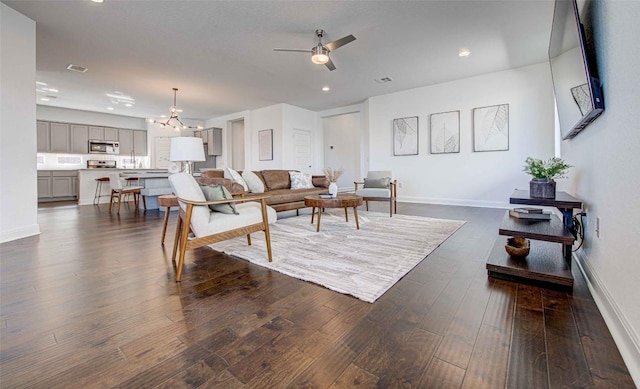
(344, 200)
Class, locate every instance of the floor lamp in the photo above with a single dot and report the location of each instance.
(186, 150)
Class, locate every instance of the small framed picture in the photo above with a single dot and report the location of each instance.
(491, 128)
(405, 136)
(265, 145)
(444, 131)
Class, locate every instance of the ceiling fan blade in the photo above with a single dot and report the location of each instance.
(294, 50)
(330, 65)
(340, 42)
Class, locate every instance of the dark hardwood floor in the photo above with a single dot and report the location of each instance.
(92, 303)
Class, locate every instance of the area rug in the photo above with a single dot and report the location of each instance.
(364, 263)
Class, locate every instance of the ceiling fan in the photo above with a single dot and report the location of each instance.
(320, 52)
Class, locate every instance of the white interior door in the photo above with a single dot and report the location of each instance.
(237, 142)
(302, 155)
(342, 147)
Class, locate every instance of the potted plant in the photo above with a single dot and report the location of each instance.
(544, 173)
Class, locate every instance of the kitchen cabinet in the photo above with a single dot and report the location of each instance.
(133, 143)
(214, 141)
(126, 142)
(79, 139)
(56, 185)
(43, 137)
(103, 133)
(44, 184)
(140, 143)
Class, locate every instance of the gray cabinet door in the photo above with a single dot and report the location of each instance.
(126, 142)
(60, 139)
(62, 186)
(44, 143)
(140, 143)
(44, 187)
(79, 139)
(111, 133)
(96, 133)
(214, 141)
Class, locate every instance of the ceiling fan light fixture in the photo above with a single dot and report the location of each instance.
(320, 55)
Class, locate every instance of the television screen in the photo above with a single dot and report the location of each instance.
(577, 91)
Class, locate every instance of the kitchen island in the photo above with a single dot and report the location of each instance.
(154, 181)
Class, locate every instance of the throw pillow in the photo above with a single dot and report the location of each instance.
(300, 180)
(236, 177)
(377, 183)
(254, 182)
(219, 192)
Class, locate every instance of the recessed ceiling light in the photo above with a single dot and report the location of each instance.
(464, 53)
(54, 90)
(119, 96)
(110, 108)
(76, 68)
(128, 105)
(98, 1)
(326, 89)
(41, 83)
(44, 99)
(163, 116)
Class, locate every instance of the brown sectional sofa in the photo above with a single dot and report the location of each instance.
(277, 185)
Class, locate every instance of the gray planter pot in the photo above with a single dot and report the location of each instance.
(542, 188)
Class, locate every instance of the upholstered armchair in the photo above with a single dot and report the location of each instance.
(207, 226)
(379, 185)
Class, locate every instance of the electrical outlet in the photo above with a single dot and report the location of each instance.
(597, 227)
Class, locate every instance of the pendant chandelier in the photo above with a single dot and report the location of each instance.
(173, 120)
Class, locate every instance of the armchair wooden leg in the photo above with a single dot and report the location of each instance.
(184, 237)
(267, 235)
(176, 240)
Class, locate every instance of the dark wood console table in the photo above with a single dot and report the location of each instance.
(546, 264)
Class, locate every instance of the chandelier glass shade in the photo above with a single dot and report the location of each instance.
(173, 120)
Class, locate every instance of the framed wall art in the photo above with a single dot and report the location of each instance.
(444, 131)
(491, 128)
(265, 145)
(405, 136)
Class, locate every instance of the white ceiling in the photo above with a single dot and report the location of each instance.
(220, 53)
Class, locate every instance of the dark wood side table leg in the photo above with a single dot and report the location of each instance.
(313, 213)
(346, 215)
(319, 213)
(355, 214)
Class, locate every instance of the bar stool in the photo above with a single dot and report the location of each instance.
(167, 201)
(98, 194)
(131, 181)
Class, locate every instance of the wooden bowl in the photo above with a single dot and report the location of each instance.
(517, 247)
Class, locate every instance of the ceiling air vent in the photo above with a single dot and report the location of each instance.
(76, 68)
(383, 80)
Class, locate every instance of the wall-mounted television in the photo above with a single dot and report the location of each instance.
(577, 90)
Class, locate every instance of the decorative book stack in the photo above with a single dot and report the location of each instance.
(530, 213)
(326, 196)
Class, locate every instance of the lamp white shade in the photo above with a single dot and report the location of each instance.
(186, 149)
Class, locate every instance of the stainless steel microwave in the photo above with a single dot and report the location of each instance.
(104, 147)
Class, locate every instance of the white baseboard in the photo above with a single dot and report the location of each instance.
(19, 233)
(622, 332)
(459, 202)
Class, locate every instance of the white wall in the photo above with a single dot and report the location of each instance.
(466, 178)
(606, 178)
(18, 182)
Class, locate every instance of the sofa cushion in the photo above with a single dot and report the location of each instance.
(218, 173)
(300, 180)
(219, 192)
(276, 179)
(254, 183)
(236, 177)
(377, 182)
(320, 181)
(280, 196)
